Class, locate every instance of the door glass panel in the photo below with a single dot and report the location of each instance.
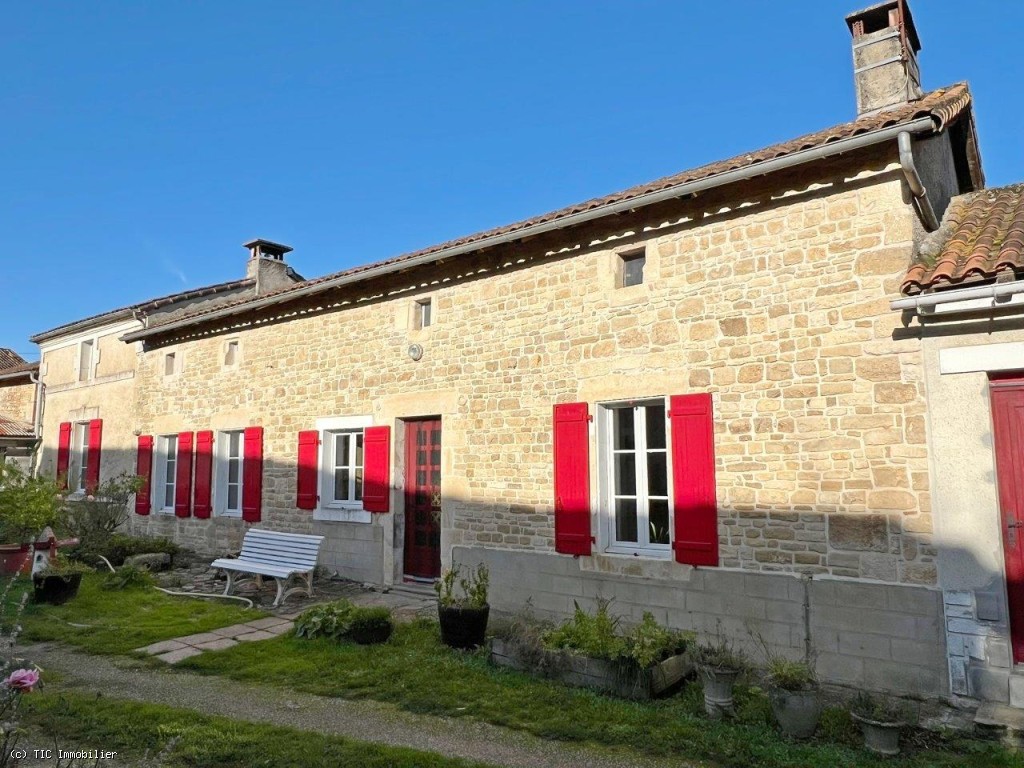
(232, 497)
(657, 475)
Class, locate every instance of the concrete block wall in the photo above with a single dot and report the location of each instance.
(881, 637)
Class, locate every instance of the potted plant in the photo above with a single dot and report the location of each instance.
(719, 666)
(794, 695)
(462, 606)
(880, 721)
(370, 625)
(58, 582)
(27, 506)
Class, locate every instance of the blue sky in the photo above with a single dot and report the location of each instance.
(142, 143)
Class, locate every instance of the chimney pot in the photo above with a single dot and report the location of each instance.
(267, 266)
(885, 48)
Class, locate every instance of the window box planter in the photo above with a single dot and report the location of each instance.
(463, 628)
(56, 590)
(597, 674)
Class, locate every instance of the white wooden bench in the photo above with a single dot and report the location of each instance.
(277, 555)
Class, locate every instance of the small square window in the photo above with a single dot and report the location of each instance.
(424, 313)
(633, 268)
(169, 362)
(231, 353)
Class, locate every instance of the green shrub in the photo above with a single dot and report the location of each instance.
(881, 709)
(837, 725)
(27, 504)
(790, 675)
(473, 587)
(63, 567)
(94, 518)
(718, 654)
(597, 636)
(370, 625)
(120, 546)
(128, 577)
(341, 620)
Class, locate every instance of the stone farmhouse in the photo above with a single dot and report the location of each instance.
(18, 402)
(696, 397)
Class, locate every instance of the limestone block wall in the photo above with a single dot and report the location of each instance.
(779, 310)
(880, 637)
(17, 401)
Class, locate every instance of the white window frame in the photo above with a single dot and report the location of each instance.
(424, 312)
(624, 258)
(606, 484)
(228, 343)
(165, 444)
(78, 460)
(221, 457)
(328, 510)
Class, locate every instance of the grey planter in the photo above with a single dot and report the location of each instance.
(596, 674)
(718, 685)
(796, 712)
(880, 738)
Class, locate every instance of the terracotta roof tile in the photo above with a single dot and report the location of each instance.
(15, 428)
(9, 359)
(943, 105)
(981, 236)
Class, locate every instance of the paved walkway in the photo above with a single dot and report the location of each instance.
(404, 605)
(360, 720)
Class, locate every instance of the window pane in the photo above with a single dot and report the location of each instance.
(341, 485)
(169, 474)
(625, 520)
(633, 270)
(658, 515)
(657, 474)
(359, 449)
(341, 450)
(232, 497)
(233, 470)
(85, 361)
(655, 417)
(359, 483)
(625, 474)
(234, 444)
(622, 429)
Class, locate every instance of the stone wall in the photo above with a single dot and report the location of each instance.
(883, 637)
(779, 309)
(17, 400)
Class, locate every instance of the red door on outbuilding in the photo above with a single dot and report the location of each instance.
(423, 499)
(1008, 427)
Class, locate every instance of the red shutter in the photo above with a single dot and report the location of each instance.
(306, 478)
(92, 470)
(183, 479)
(144, 469)
(572, 479)
(693, 480)
(201, 506)
(377, 469)
(63, 453)
(252, 475)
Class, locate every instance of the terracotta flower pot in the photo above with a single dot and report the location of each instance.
(463, 628)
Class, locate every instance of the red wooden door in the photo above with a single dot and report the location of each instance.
(423, 499)
(1008, 423)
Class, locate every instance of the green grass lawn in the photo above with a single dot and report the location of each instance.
(115, 622)
(80, 721)
(415, 672)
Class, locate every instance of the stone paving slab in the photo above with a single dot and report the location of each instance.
(202, 637)
(217, 645)
(233, 631)
(259, 634)
(267, 623)
(163, 647)
(173, 657)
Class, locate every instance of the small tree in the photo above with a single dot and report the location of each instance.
(27, 504)
(94, 518)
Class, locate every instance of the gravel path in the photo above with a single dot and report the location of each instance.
(363, 720)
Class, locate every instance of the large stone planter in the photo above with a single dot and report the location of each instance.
(718, 685)
(879, 737)
(596, 674)
(796, 712)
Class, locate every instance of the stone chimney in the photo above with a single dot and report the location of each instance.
(267, 266)
(885, 46)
